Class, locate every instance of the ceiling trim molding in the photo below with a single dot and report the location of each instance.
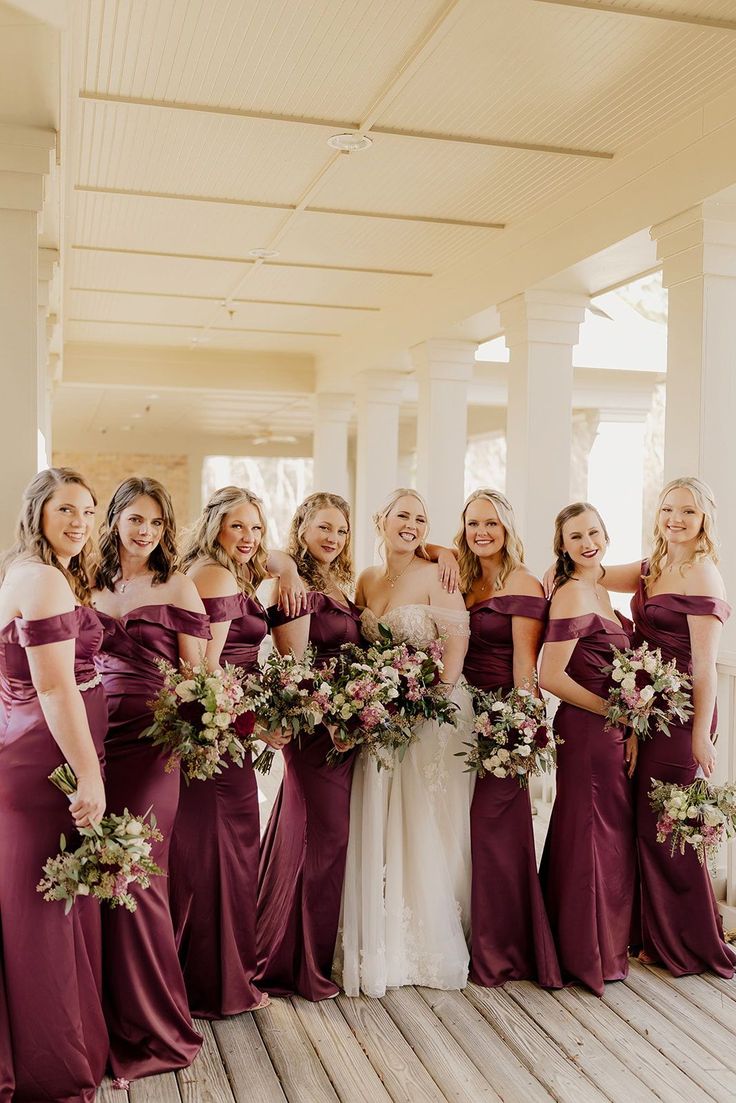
(667, 17)
(221, 300)
(195, 326)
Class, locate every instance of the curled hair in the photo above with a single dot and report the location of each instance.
(564, 566)
(30, 541)
(706, 546)
(512, 552)
(164, 558)
(203, 538)
(318, 575)
(379, 517)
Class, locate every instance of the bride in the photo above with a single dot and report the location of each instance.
(406, 897)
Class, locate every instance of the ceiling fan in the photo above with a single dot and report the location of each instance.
(269, 437)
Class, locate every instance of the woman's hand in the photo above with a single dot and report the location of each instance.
(292, 597)
(276, 739)
(340, 744)
(704, 754)
(631, 753)
(548, 581)
(88, 805)
(449, 570)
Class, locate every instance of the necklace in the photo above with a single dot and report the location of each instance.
(122, 584)
(392, 579)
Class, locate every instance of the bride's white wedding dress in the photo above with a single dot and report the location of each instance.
(406, 899)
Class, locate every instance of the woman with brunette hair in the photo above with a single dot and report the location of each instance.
(150, 611)
(588, 866)
(303, 853)
(53, 1040)
(510, 933)
(213, 874)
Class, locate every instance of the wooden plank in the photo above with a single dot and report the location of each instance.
(666, 1080)
(106, 1093)
(298, 1067)
(714, 1003)
(455, 1075)
(246, 1061)
(488, 1052)
(350, 1071)
(705, 1070)
(393, 1058)
(727, 987)
(155, 1089)
(205, 1080)
(617, 1082)
(562, 1077)
(678, 1008)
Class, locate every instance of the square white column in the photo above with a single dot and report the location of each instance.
(541, 329)
(332, 414)
(377, 450)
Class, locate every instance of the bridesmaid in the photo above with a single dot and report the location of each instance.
(510, 933)
(150, 611)
(588, 866)
(213, 872)
(679, 606)
(53, 1040)
(304, 848)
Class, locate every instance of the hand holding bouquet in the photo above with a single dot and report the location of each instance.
(201, 718)
(698, 815)
(418, 675)
(512, 736)
(113, 855)
(365, 709)
(648, 694)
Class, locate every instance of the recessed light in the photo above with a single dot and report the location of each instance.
(152, 397)
(349, 143)
(263, 254)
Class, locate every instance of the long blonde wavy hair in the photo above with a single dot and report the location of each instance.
(707, 542)
(30, 541)
(202, 540)
(512, 552)
(315, 574)
(379, 517)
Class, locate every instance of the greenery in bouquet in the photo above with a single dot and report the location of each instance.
(112, 856)
(647, 694)
(511, 735)
(418, 675)
(699, 815)
(201, 718)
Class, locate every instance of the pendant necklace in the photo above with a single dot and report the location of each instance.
(392, 579)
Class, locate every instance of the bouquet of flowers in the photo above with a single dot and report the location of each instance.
(287, 693)
(200, 716)
(699, 815)
(648, 694)
(112, 856)
(512, 736)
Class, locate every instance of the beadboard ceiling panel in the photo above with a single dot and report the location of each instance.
(96, 268)
(187, 336)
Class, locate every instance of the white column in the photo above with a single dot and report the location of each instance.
(377, 449)
(48, 263)
(332, 413)
(698, 250)
(541, 328)
(444, 370)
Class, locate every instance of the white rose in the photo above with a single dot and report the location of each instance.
(499, 772)
(503, 754)
(223, 720)
(489, 763)
(524, 751)
(618, 674)
(650, 663)
(628, 681)
(186, 690)
(215, 684)
(498, 706)
(713, 817)
(207, 717)
(135, 827)
(82, 889)
(646, 693)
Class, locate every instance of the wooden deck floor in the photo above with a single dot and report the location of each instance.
(650, 1038)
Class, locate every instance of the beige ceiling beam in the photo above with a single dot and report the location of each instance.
(194, 326)
(221, 300)
(262, 205)
(250, 261)
(340, 125)
(690, 18)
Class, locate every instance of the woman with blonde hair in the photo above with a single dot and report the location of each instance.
(213, 868)
(53, 1040)
(406, 902)
(303, 852)
(510, 933)
(679, 606)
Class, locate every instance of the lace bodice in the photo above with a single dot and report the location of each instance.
(415, 624)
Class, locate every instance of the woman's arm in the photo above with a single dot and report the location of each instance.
(292, 636)
(705, 636)
(622, 578)
(553, 678)
(446, 560)
(292, 594)
(212, 580)
(527, 636)
(453, 627)
(192, 649)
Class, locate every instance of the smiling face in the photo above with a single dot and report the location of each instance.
(680, 521)
(241, 532)
(405, 524)
(326, 534)
(140, 527)
(484, 532)
(584, 539)
(67, 519)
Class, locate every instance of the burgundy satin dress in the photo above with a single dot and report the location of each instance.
(305, 844)
(589, 864)
(53, 1039)
(213, 866)
(145, 999)
(680, 922)
(510, 932)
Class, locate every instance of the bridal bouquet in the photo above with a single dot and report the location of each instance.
(648, 694)
(287, 693)
(418, 674)
(699, 815)
(112, 856)
(364, 708)
(201, 718)
(511, 734)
